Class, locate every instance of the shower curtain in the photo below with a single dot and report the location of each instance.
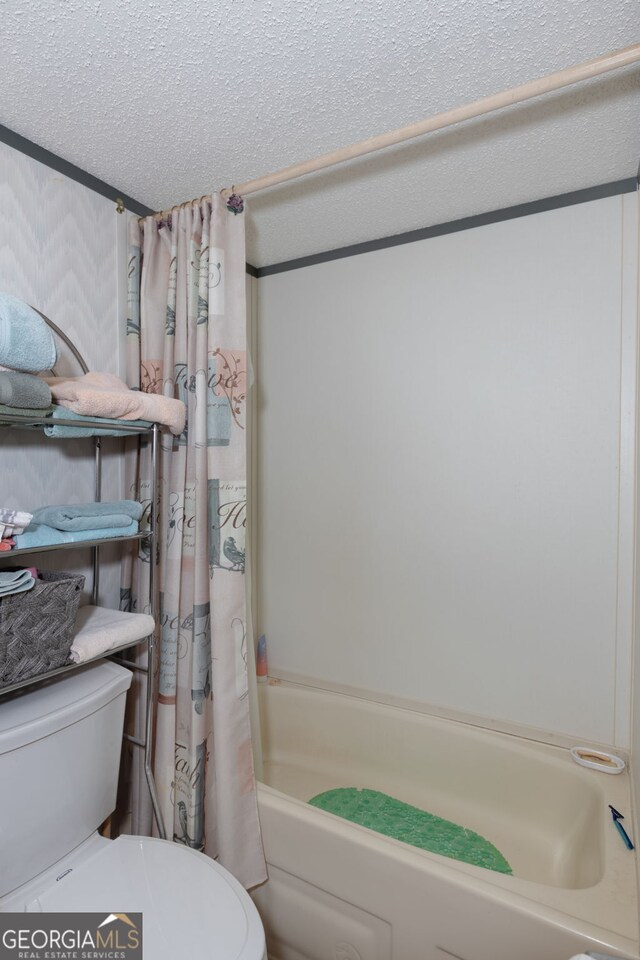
(186, 337)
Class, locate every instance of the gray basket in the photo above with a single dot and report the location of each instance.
(36, 627)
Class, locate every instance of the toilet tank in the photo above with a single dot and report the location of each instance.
(60, 749)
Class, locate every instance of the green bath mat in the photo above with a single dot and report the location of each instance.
(399, 820)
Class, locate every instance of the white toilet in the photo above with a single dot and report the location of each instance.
(59, 756)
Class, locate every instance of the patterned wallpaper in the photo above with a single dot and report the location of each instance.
(59, 252)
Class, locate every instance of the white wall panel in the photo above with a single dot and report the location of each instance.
(631, 226)
(439, 470)
(58, 251)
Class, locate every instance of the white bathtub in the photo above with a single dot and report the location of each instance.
(337, 891)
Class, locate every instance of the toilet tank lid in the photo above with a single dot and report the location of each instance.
(34, 713)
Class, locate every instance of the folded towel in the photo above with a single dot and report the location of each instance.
(90, 516)
(13, 522)
(8, 530)
(98, 630)
(100, 430)
(20, 518)
(26, 342)
(105, 395)
(24, 390)
(15, 581)
(41, 535)
(25, 411)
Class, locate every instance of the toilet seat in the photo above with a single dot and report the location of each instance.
(190, 905)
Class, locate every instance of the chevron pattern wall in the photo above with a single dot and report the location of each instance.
(59, 252)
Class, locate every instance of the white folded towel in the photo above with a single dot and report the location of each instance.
(13, 522)
(98, 630)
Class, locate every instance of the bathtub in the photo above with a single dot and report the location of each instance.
(338, 891)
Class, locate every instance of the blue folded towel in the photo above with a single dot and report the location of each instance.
(68, 430)
(90, 516)
(15, 581)
(26, 342)
(40, 535)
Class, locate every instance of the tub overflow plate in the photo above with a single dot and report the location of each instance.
(597, 760)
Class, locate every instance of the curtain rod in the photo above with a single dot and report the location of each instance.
(506, 98)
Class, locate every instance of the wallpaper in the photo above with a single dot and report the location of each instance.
(59, 252)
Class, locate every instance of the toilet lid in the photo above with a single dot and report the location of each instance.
(191, 907)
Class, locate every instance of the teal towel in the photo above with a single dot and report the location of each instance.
(24, 390)
(68, 430)
(15, 581)
(26, 342)
(40, 535)
(104, 514)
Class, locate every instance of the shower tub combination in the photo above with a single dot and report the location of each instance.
(338, 891)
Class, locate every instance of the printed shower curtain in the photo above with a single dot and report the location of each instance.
(186, 337)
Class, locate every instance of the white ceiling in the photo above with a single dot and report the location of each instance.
(170, 99)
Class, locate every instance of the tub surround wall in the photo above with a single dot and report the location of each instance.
(634, 280)
(446, 436)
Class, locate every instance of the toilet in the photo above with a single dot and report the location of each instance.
(60, 749)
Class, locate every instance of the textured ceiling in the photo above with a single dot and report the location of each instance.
(171, 99)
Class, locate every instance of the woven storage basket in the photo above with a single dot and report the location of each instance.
(36, 627)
